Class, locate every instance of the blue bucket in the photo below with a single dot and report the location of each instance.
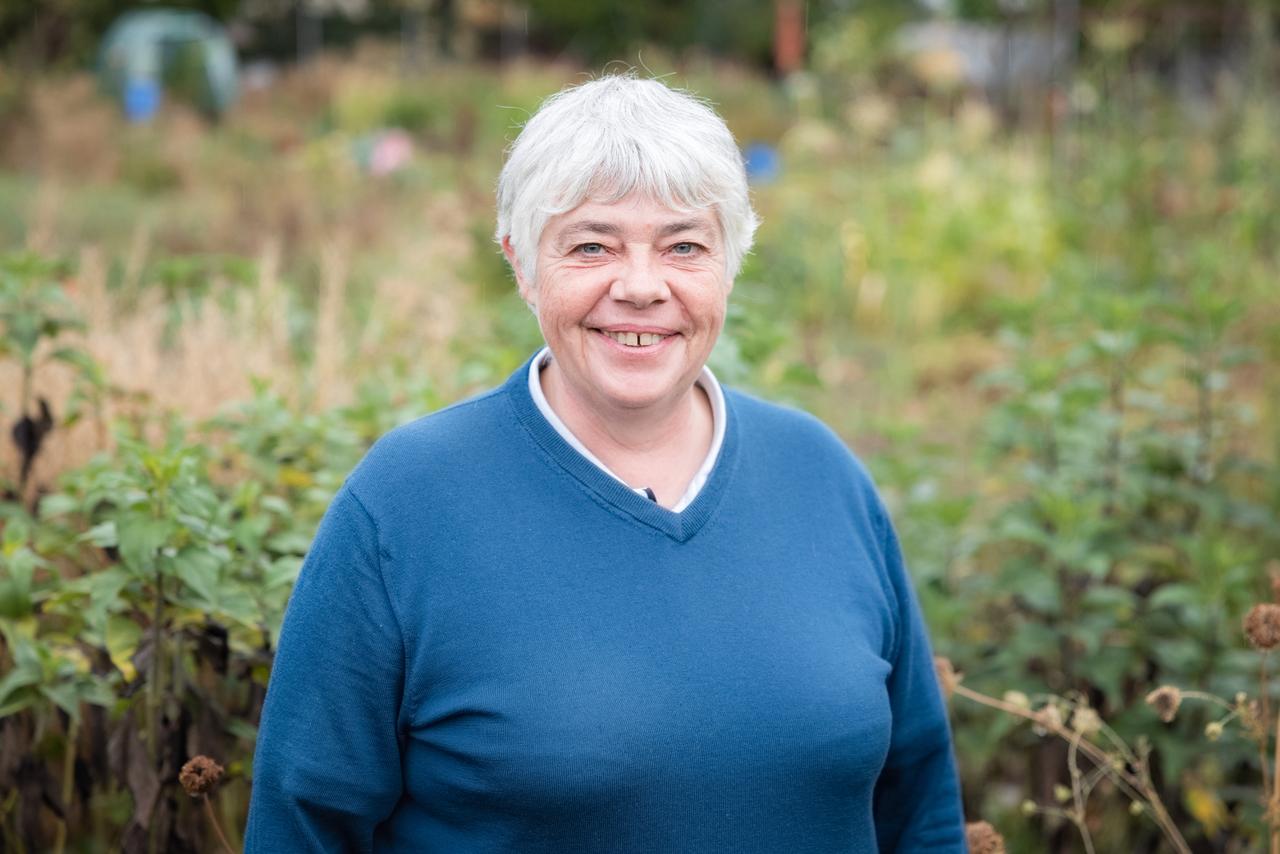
(141, 98)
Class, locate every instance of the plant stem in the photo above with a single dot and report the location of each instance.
(1087, 747)
(217, 828)
(1264, 725)
(154, 696)
(1077, 792)
(1161, 814)
(68, 778)
(1084, 834)
(1273, 806)
(27, 461)
(25, 401)
(153, 682)
(1138, 787)
(1207, 697)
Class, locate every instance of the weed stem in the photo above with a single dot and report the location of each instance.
(1138, 787)
(217, 828)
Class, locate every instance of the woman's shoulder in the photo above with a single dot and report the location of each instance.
(792, 433)
(436, 447)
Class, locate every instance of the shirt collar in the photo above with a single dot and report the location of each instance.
(706, 380)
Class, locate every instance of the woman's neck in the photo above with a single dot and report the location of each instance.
(657, 448)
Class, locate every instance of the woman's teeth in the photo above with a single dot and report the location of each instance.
(635, 339)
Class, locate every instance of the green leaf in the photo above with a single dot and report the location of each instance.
(98, 692)
(1041, 593)
(103, 589)
(22, 676)
(283, 571)
(1117, 601)
(199, 570)
(15, 583)
(277, 505)
(237, 604)
(242, 729)
(57, 504)
(65, 695)
(1176, 595)
(122, 638)
(141, 536)
(289, 542)
(103, 535)
(19, 702)
(76, 358)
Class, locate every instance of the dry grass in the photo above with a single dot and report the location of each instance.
(241, 335)
(321, 237)
(63, 129)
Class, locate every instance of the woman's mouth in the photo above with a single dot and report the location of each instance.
(636, 339)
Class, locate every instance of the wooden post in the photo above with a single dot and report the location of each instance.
(788, 36)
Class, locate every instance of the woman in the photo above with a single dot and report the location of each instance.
(609, 606)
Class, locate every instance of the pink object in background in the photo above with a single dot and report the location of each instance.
(392, 151)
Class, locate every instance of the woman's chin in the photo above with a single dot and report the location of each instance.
(639, 396)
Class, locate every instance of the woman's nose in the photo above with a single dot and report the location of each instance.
(640, 282)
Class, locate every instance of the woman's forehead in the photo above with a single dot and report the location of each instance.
(631, 215)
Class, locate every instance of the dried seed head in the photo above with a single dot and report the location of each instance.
(1049, 717)
(983, 838)
(199, 776)
(1017, 698)
(1262, 626)
(1213, 730)
(948, 678)
(1085, 721)
(1165, 700)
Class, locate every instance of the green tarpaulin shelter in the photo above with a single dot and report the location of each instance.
(150, 51)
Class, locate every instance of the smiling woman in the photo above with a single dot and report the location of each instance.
(609, 605)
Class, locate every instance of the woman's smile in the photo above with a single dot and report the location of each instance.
(635, 339)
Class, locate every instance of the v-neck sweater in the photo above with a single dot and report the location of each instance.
(715, 397)
(494, 646)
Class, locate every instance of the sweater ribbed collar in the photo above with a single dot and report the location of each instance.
(606, 489)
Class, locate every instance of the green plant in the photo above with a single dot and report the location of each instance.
(34, 310)
(1109, 757)
(175, 586)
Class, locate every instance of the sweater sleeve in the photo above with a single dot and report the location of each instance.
(917, 797)
(327, 764)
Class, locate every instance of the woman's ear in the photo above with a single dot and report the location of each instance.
(526, 288)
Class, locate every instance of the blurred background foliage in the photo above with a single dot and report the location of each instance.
(1021, 254)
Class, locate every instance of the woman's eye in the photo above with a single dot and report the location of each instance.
(686, 248)
(591, 249)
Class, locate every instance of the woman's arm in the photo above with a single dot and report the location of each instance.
(917, 799)
(327, 764)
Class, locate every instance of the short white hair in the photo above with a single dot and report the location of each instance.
(608, 138)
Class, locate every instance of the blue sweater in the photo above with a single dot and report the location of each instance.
(494, 646)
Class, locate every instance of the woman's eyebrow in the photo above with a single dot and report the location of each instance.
(592, 227)
(686, 225)
(589, 227)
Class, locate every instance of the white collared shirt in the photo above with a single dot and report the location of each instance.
(709, 385)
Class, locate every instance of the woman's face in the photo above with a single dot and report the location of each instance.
(631, 297)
